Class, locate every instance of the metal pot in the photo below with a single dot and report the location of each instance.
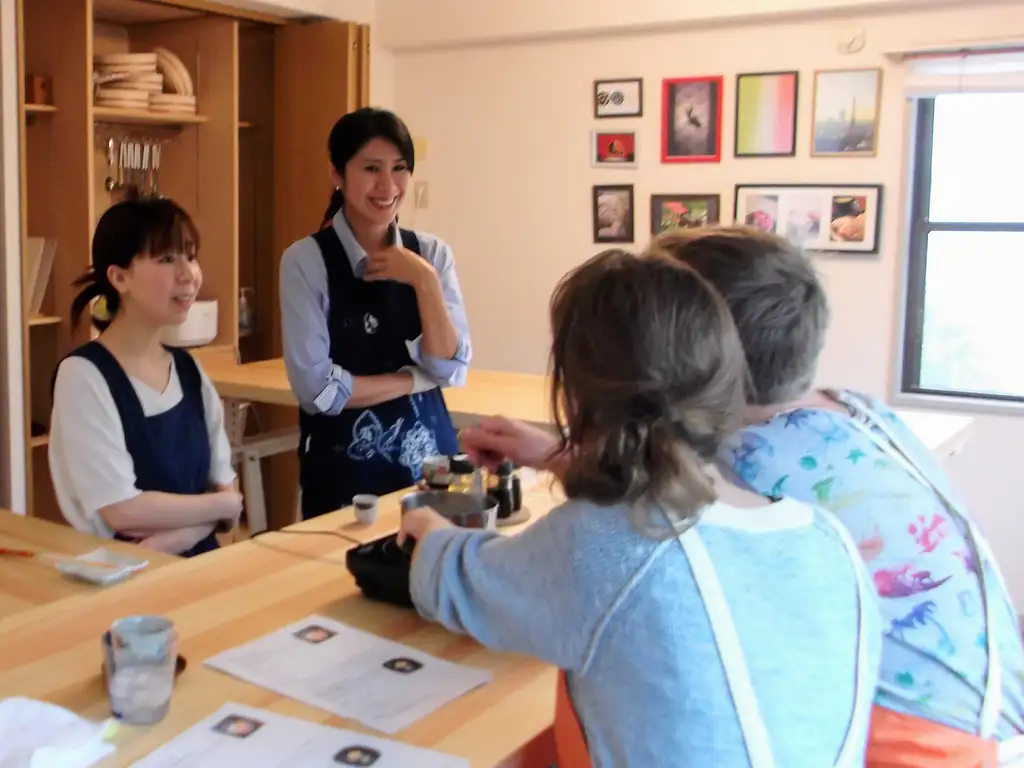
(466, 510)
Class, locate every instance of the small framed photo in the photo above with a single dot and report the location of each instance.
(691, 120)
(613, 213)
(613, 150)
(403, 665)
(816, 217)
(619, 98)
(315, 634)
(357, 755)
(237, 726)
(846, 111)
(683, 212)
(766, 104)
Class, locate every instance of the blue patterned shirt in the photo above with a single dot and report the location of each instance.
(935, 661)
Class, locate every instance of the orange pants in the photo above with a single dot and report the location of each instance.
(895, 741)
(570, 743)
(903, 741)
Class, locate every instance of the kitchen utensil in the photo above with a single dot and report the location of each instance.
(466, 510)
(140, 661)
(111, 182)
(156, 169)
(122, 162)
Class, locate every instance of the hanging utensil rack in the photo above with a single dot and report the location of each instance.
(134, 155)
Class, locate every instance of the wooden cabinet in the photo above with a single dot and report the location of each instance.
(250, 165)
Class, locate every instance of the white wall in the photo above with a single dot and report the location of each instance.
(411, 24)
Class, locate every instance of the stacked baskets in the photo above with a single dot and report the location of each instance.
(147, 82)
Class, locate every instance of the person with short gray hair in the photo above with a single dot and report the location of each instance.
(953, 664)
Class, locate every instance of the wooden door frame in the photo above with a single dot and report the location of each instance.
(13, 486)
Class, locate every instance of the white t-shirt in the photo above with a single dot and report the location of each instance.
(89, 461)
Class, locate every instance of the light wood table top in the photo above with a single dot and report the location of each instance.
(516, 395)
(236, 594)
(521, 396)
(26, 583)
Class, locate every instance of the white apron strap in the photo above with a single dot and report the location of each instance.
(863, 419)
(737, 675)
(1011, 753)
(852, 753)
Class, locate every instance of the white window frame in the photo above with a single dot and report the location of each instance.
(978, 68)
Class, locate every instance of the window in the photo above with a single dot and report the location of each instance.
(964, 329)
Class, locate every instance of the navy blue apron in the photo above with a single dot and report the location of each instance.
(379, 449)
(171, 450)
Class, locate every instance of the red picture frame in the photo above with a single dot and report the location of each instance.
(699, 139)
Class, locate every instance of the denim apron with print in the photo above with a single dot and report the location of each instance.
(379, 449)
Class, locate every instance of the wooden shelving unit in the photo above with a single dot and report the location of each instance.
(37, 320)
(133, 117)
(250, 166)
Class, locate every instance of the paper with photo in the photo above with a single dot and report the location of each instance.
(240, 735)
(382, 684)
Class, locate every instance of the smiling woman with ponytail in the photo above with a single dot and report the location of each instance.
(373, 325)
(137, 443)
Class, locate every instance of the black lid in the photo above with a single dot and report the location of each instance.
(460, 465)
(506, 468)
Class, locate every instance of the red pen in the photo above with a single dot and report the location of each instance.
(16, 552)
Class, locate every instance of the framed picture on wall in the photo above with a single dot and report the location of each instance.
(619, 98)
(816, 217)
(766, 104)
(613, 149)
(613, 213)
(691, 120)
(846, 110)
(683, 211)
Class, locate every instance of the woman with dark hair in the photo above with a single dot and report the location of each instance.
(695, 623)
(373, 325)
(137, 444)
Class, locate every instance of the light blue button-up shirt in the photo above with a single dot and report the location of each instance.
(321, 386)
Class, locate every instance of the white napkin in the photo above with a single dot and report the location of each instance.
(36, 734)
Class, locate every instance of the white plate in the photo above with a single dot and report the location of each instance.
(95, 567)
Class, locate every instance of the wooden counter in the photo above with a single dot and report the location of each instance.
(516, 395)
(238, 593)
(26, 584)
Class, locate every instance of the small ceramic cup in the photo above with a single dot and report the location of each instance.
(365, 506)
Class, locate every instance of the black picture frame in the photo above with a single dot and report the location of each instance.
(627, 229)
(831, 198)
(713, 202)
(597, 97)
(795, 74)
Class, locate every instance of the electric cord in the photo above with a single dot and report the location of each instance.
(338, 534)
